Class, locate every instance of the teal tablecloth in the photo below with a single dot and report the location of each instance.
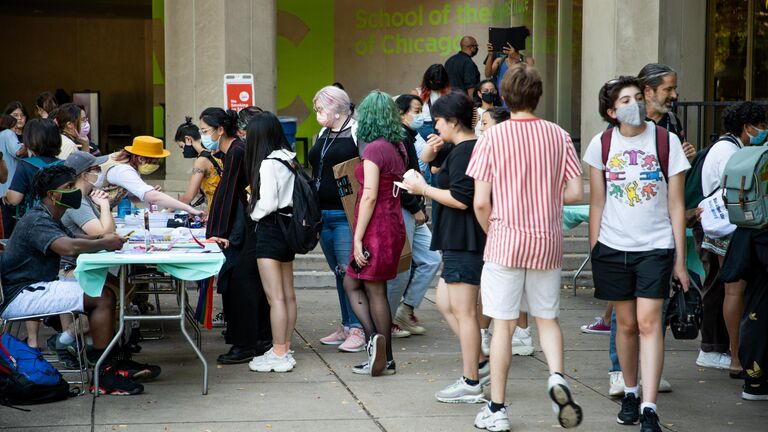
(92, 269)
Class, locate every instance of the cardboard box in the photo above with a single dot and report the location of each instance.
(348, 186)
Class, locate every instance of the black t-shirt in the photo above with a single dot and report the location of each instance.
(25, 173)
(27, 258)
(457, 229)
(338, 150)
(462, 71)
(671, 123)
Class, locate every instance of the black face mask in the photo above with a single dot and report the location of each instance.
(188, 152)
(70, 198)
(489, 97)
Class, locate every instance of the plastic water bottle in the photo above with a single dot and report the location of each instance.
(124, 208)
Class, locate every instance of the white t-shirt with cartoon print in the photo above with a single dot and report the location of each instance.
(636, 215)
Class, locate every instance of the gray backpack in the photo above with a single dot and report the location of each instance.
(745, 187)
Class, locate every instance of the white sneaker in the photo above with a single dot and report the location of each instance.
(616, 386)
(406, 319)
(569, 413)
(271, 362)
(365, 368)
(522, 342)
(485, 344)
(292, 360)
(664, 386)
(492, 421)
(461, 392)
(484, 374)
(713, 360)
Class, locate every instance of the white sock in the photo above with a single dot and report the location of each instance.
(633, 390)
(66, 338)
(645, 405)
(89, 340)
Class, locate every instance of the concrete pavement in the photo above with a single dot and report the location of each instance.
(322, 393)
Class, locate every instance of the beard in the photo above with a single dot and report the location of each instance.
(658, 106)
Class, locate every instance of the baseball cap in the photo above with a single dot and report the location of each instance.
(81, 161)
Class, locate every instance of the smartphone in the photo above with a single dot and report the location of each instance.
(353, 263)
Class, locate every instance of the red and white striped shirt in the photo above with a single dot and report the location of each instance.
(527, 162)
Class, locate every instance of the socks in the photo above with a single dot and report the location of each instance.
(471, 382)
(494, 407)
(65, 338)
(482, 364)
(645, 405)
(633, 390)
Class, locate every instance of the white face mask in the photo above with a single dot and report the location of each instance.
(632, 114)
(99, 180)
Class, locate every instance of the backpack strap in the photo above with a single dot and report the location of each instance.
(662, 151)
(605, 140)
(287, 164)
(216, 166)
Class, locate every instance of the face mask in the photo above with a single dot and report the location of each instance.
(71, 198)
(474, 52)
(417, 122)
(85, 129)
(188, 152)
(323, 119)
(632, 114)
(146, 169)
(759, 138)
(209, 143)
(489, 97)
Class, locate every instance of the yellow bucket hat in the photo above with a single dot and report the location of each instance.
(148, 146)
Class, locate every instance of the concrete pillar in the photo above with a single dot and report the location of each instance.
(204, 39)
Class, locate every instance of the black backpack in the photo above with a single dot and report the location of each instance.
(16, 388)
(303, 231)
(693, 192)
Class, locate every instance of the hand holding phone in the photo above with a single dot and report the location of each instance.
(358, 267)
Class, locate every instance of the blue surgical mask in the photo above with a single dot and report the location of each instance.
(759, 138)
(417, 122)
(209, 143)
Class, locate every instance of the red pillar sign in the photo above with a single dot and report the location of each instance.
(238, 91)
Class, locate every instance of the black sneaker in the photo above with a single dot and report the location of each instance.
(135, 370)
(67, 354)
(630, 410)
(758, 392)
(649, 421)
(112, 383)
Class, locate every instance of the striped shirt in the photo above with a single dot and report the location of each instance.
(527, 162)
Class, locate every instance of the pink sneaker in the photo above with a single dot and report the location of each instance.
(597, 327)
(336, 338)
(355, 341)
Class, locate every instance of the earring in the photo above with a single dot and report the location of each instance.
(338, 115)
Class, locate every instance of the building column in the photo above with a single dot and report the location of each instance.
(204, 39)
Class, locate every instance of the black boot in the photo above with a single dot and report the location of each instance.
(236, 355)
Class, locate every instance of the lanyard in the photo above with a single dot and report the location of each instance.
(325, 148)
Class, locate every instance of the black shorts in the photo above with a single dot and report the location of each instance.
(462, 267)
(270, 241)
(620, 275)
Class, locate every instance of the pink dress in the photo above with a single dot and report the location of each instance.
(385, 234)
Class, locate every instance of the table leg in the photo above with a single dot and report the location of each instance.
(182, 321)
(118, 333)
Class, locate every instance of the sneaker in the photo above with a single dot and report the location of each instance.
(270, 362)
(484, 374)
(112, 383)
(492, 421)
(713, 360)
(336, 338)
(66, 354)
(377, 354)
(398, 332)
(649, 421)
(630, 410)
(597, 327)
(485, 344)
(406, 319)
(355, 341)
(568, 412)
(365, 369)
(616, 386)
(135, 370)
(219, 321)
(664, 386)
(292, 360)
(755, 392)
(461, 392)
(522, 342)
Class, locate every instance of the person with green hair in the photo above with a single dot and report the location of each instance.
(379, 231)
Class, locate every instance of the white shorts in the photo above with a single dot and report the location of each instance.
(46, 297)
(505, 289)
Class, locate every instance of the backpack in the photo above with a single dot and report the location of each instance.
(303, 231)
(662, 149)
(745, 184)
(26, 378)
(694, 194)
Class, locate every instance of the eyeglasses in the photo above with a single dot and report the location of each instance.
(206, 131)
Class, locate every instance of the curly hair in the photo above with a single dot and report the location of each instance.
(50, 178)
(609, 93)
(740, 114)
(379, 117)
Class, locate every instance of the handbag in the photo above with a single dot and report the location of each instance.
(684, 310)
(714, 216)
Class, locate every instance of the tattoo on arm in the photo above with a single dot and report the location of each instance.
(198, 171)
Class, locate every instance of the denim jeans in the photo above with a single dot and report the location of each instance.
(336, 242)
(615, 366)
(412, 285)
